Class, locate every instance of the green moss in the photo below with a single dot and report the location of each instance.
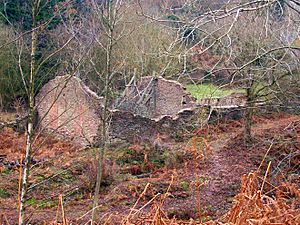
(68, 176)
(206, 219)
(202, 179)
(123, 177)
(32, 201)
(47, 204)
(6, 171)
(185, 185)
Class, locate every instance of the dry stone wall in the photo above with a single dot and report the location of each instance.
(129, 127)
(69, 108)
(229, 101)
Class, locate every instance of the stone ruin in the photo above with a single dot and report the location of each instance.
(152, 107)
(69, 108)
(229, 107)
(155, 97)
(148, 108)
(229, 101)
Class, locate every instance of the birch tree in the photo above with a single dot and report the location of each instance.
(31, 112)
(31, 82)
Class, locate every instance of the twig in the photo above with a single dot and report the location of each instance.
(267, 171)
(151, 200)
(62, 210)
(19, 186)
(5, 218)
(88, 213)
(265, 156)
(199, 199)
(137, 201)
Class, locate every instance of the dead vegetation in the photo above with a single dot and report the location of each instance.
(193, 182)
(252, 206)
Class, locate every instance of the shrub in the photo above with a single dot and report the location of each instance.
(11, 85)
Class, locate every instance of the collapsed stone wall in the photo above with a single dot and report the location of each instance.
(69, 108)
(232, 100)
(126, 126)
(223, 114)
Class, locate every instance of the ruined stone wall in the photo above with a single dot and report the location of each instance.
(162, 97)
(171, 96)
(65, 105)
(69, 108)
(133, 128)
(232, 100)
(224, 114)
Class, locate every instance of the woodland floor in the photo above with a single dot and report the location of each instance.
(203, 172)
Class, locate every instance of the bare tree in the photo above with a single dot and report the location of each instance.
(253, 54)
(30, 130)
(250, 46)
(107, 14)
(30, 82)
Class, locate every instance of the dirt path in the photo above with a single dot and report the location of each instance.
(223, 176)
(220, 172)
(226, 166)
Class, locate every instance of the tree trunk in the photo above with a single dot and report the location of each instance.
(105, 113)
(1, 103)
(30, 130)
(154, 94)
(249, 113)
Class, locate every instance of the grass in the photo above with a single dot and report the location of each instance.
(134, 155)
(200, 91)
(42, 204)
(4, 193)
